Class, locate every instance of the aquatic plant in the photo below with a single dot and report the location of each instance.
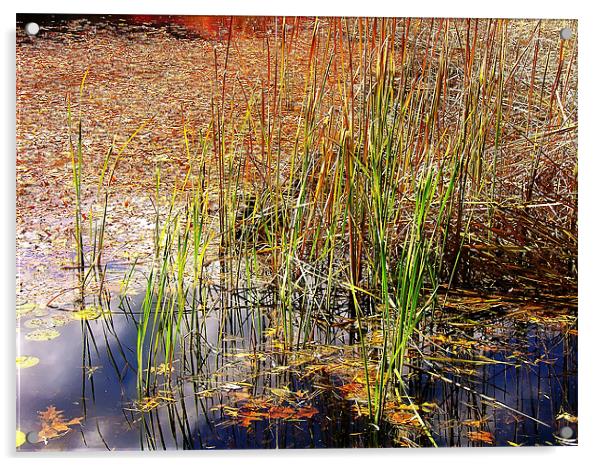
(389, 186)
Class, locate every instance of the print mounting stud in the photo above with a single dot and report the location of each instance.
(32, 29)
(566, 33)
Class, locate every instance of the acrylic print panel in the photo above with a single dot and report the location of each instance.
(266, 232)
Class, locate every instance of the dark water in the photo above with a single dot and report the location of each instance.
(536, 376)
(90, 371)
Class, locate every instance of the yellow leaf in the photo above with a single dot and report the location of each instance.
(281, 392)
(567, 417)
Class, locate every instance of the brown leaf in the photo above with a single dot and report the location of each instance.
(307, 412)
(54, 423)
(281, 412)
(481, 436)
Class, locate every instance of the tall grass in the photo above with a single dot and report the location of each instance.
(396, 170)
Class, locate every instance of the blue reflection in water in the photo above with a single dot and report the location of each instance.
(90, 371)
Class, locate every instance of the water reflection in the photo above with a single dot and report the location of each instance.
(224, 364)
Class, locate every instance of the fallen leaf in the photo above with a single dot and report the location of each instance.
(566, 417)
(481, 436)
(281, 392)
(162, 369)
(401, 418)
(54, 423)
(307, 412)
(281, 412)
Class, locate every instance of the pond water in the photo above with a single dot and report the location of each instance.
(502, 377)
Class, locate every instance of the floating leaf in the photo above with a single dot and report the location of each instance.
(352, 390)
(257, 409)
(37, 323)
(89, 313)
(42, 335)
(25, 309)
(246, 417)
(481, 436)
(24, 362)
(400, 418)
(148, 403)
(20, 438)
(306, 412)
(162, 369)
(281, 412)
(566, 417)
(40, 313)
(59, 320)
(50, 322)
(281, 392)
(54, 423)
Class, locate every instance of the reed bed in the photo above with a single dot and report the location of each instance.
(393, 159)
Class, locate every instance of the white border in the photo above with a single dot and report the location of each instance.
(590, 182)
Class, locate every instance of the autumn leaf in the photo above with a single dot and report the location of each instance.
(54, 423)
(162, 369)
(148, 403)
(351, 390)
(281, 392)
(401, 418)
(475, 422)
(307, 412)
(281, 412)
(481, 436)
(247, 417)
(567, 417)
(50, 414)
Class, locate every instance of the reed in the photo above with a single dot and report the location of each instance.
(394, 179)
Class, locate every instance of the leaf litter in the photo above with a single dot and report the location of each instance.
(55, 424)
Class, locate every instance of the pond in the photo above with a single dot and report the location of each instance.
(262, 233)
(503, 374)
